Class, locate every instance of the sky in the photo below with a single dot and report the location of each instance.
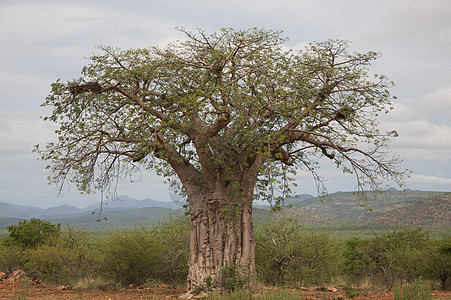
(46, 40)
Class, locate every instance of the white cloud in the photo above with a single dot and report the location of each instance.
(437, 104)
(424, 135)
(431, 182)
(424, 132)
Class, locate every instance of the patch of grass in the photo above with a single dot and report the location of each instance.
(417, 290)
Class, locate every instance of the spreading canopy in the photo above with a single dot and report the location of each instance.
(215, 105)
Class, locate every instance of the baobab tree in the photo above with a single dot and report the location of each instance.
(224, 113)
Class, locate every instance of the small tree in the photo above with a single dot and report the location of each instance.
(223, 113)
(30, 234)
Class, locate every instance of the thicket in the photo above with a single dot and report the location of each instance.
(141, 255)
(287, 254)
(398, 256)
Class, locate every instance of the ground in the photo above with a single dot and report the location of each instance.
(19, 286)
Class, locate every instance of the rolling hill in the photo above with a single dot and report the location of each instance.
(345, 207)
(433, 212)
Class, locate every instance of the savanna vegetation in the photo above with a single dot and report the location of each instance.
(288, 255)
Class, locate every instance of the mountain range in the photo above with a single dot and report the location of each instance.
(381, 210)
(10, 210)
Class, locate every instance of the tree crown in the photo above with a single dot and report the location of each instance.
(215, 106)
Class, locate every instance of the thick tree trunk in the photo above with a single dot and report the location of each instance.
(222, 234)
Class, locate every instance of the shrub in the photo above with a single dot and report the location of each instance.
(355, 264)
(141, 254)
(286, 253)
(173, 247)
(131, 256)
(11, 258)
(64, 259)
(400, 255)
(438, 262)
(30, 234)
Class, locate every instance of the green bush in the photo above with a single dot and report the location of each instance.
(140, 254)
(397, 256)
(30, 234)
(11, 258)
(437, 262)
(64, 259)
(286, 253)
(173, 243)
(131, 256)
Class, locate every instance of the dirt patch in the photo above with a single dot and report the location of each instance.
(18, 285)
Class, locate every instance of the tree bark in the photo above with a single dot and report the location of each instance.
(222, 235)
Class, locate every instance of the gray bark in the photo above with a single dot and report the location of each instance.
(220, 236)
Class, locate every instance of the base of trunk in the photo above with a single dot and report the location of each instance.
(222, 246)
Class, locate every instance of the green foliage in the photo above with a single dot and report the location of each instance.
(437, 262)
(131, 256)
(30, 234)
(400, 255)
(173, 242)
(64, 259)
(286, 253)
(355, 266)
(11, 258)
(209, 282)
(141, 254)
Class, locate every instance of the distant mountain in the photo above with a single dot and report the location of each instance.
(265, 215)
(345, 207)
(297, 198)
(125, 202)
(5, 222)
(10, 210)
(62, 210)
(125, 218)
(381, 210)
(434, 212)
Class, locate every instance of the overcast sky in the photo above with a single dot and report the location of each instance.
(45, 40)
